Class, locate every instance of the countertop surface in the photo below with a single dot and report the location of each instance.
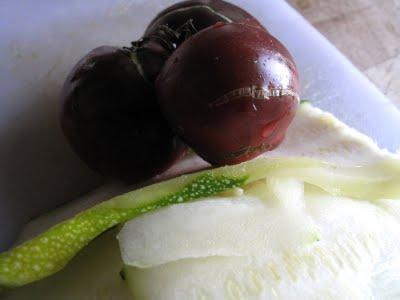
(366, 31)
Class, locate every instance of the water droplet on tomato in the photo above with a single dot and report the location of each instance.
(269, 129)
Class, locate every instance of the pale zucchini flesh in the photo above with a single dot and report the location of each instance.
(51, 251)
(356, 256)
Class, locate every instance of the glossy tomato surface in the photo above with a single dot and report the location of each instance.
(203, 13)
(112, 120)
(230, 92)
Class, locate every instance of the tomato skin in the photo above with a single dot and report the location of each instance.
(203, 13)
(111, 118)
(230, 92)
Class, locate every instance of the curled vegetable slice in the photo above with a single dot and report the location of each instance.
(53, 249)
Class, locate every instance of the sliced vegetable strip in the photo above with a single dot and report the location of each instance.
(51, 251)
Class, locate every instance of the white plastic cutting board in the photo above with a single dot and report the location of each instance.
(41, 40)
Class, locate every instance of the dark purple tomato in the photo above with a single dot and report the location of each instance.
(230, 92)
(151, 52)
(112, 120)
(203, 13)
